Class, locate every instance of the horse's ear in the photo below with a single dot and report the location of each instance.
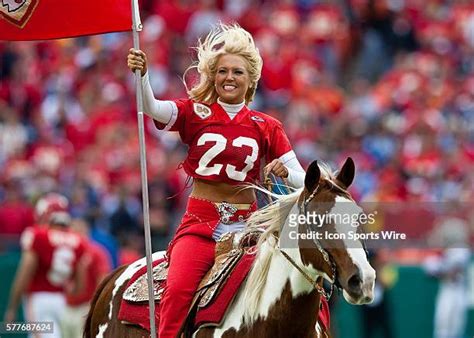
(313, 175)
(347, 173)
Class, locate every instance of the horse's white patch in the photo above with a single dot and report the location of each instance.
(102, 329)
(319, 332)
(124, 277)
(279, 277)
(354, 248)
(280, 272)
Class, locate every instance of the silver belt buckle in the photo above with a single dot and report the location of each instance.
(226, 211)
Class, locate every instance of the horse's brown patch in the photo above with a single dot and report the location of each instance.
(324, 203)
(288, 317)
(99, 312)
(205, 333)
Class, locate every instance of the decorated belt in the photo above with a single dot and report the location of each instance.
(231, 213)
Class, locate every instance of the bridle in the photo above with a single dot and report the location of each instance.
(312, 281)
(324, 253)
(326, 256)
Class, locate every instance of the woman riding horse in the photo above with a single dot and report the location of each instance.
(282, 293)
(226, 141)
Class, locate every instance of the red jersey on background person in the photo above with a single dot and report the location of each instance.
(95, 265)
(226, 142)
(50, 254)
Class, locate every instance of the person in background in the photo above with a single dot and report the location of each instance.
(377, 315)
(16, 214)
(96, 264)
(50, 258)
(450, 268)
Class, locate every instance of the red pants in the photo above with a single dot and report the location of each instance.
(191, 256)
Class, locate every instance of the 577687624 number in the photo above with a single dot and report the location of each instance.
(26, 327)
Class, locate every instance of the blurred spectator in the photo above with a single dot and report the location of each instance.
(450, 267)
(13, 134)
(131, 249)
(51, 259)
(16, 213)
(96, 266)
(122, 210)
(108, 242)
(377, 316)
(203, 19)
(161, 209)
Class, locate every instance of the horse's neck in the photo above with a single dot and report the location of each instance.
(286, 285)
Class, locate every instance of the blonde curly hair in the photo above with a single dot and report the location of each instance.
(224, 39)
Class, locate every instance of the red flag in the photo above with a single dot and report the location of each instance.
(54, 19)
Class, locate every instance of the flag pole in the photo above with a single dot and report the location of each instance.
(137, 27)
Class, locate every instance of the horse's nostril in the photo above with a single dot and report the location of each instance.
(354, 282)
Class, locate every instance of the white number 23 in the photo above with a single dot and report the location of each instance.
(219, 147)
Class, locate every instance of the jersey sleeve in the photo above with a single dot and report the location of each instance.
(81, 249)
(105, 265)
(178, 118)
(279, 144)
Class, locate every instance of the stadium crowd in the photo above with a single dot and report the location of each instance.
(390, 83)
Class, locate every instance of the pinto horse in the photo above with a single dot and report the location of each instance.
(281, 294)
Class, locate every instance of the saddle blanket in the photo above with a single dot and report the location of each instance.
(138, 312)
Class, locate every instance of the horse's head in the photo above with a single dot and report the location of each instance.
(343, 259)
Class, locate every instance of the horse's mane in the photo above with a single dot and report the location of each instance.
(270, 219)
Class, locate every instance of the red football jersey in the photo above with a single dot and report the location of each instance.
(98, 266)
(225, 150)
(58, 252)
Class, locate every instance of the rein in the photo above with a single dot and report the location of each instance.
(324, 253)
(268, 184)
(314, 282)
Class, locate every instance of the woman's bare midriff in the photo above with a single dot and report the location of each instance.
(219, 192)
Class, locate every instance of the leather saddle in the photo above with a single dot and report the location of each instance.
(229, 250)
